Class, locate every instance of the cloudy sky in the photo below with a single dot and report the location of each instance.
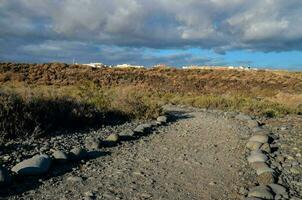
(176, 32)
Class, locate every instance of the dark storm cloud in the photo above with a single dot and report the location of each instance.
(62, 28)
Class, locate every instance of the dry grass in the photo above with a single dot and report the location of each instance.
(140, 93)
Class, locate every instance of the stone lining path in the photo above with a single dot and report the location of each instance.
(199, 155)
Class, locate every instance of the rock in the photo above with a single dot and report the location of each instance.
(262, 192)
(162, 119)
(127, 133)
(155, 123)
(243, 117)
(147, 126)
(257, 157)
(252, 123)
(252, 198)
(266, 178)
(257, 129)
(278, 189)
(259, 138)
(139, 129)
(89, 194)
(75, 179)
(5, 177)
(60, 156)
(243, 191)
(212, 183)
(36, 165)
(266, 148)
(92, 143)
(296, 170)
(264, 170)
(258, 165)
(77, 153)
(111, 140)
(252, 145)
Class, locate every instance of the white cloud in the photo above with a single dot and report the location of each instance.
(221, 25)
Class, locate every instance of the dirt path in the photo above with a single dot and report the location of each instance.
(199, 156)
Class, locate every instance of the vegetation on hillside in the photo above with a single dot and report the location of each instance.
(44, 97)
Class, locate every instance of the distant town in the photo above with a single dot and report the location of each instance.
(101, 65)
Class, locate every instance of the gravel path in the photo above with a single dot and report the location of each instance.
(199, 155)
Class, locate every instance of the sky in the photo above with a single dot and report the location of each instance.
(259, 33)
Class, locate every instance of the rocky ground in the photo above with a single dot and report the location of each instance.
(198, 154)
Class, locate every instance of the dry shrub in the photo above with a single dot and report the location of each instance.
(136, 102)
(37, 116)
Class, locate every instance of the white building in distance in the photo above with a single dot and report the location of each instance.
(96, 65)
(129, 66)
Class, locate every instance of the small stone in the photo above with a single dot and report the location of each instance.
(252, 123)
(139, 129)
(89, 194)
(60, 156)
(243, 191)
(212, 183)
(74, 179)
(111, 140)
(162, 119)
(264, 170)
(295, 170)
(266, 148)
(127, 133)
(257, 129)
(147, 126)
(5, 177)
(266, 178)
(146, 196)
(252, 145)
(259, 138)
(36, 165)
(262, 192)
(78, 153)
(278, 189)
(92, 143)
(243, 117)
(258, 165)
(257, 157)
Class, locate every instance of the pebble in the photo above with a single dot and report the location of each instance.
(278, 189)
(113, 138)
(139, 129)
(212, 183)
(74, 179)
(257, 157)
(92, 143)
(60, 156)
(243, 117)
(266, 148)
(258, 165)
(264, 170)
(259, 138)
(36, 165)
(263, 192)
(78, 153)
(252, 145)
(296, 170)
(162, 119)
(243, 191)
(252, 123)
(266, 178)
